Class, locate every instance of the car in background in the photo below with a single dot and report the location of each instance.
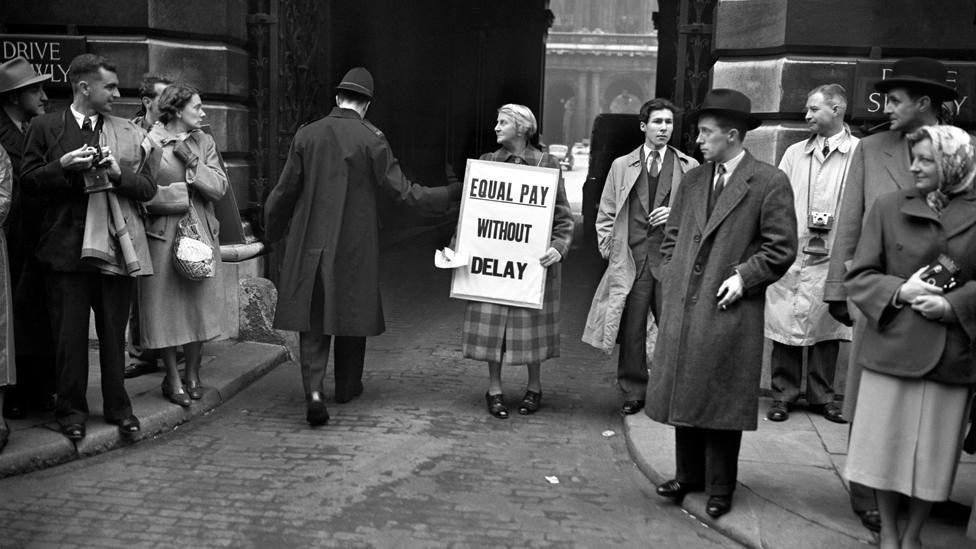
(581, 149)
(561, 153)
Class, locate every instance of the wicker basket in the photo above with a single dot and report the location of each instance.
(193, 254)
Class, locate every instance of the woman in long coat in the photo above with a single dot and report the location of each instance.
(515, 335)
(8, 373)
(918, 349)
(174, 310)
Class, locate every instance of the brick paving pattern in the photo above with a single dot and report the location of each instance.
(416, 461)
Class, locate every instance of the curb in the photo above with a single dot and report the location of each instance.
(754, 521)
(235, 365)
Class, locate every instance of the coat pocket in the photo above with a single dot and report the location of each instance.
(156, 227)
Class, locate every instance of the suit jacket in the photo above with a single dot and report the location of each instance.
(606, 309)
(63, 225)
(879, 166)
(901, 235)
(707, 362)
(325, 203)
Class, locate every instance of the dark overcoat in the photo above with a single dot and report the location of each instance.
(901, 235)
(324, 205)
(707, 362)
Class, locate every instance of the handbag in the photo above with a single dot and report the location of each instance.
(172, 199)
(193, 254)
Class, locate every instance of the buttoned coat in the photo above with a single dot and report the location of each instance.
(707, 361)
(325, 207)
(879, 166)
(796, 313)
(902, 234)
(612, 232)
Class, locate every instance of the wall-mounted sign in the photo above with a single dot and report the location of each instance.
(50, 54)
(870, 104)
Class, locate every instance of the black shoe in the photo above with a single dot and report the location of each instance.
(778, 411)
(631, 407)
(194, 389)
(830, 411)
(74, 431)
(316, 413)
(530, 403)
(677, 490)
(128, 425)
(179, 397)
(345, 397)
(137, 368)
(870, 519)
(12, 408)
(496, 405)
(718, 506)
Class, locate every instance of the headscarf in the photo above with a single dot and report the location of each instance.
(955, 160)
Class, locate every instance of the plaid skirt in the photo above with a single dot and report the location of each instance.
(514, 335)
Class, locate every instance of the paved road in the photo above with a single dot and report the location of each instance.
(415, 462)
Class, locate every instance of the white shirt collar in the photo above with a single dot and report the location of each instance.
(660, 157)
(731, 164)
(80, 118)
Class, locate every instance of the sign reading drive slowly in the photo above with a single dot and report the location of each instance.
(504, 228)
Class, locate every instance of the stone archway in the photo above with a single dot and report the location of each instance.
(624, 95)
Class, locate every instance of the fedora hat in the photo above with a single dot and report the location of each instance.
(730, 103)
(924, 74)
(357, 80)
(18, 73)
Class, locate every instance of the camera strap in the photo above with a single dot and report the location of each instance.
(840, 188)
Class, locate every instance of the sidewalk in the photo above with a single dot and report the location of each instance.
(791, 491)
(229, 366)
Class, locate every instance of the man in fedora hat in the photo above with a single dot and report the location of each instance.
(22, 98)
(325, 206)
(730, 234)
(914, 92)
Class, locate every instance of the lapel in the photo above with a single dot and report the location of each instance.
(665, 180)
(632, 170)
(698, 194)
(735, 190)
(896, 160)
(959, 215)
(914, 205)
(109, 137)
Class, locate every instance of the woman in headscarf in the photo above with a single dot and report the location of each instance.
(502, 334)
(914, 278)
(174, 310)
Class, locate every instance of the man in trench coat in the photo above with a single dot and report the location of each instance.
(630, 227)
(324, 205)
(731, 233)
(914, 90)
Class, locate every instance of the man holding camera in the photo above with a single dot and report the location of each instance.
(797, 320)
(68, 155)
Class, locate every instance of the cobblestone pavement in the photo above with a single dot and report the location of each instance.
(416, 461)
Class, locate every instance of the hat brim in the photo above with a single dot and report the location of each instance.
(937, 90)
(355, 88)
(751, 121)
(28, 82)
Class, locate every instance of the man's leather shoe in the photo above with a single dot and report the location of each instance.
(676, 490)
(830, 411)
(137, 368)
(778, 411)
(870, 519)
(631, 407)
(74, 431)
(129, 425)
(316, 413)
(718, 506)
(345, 397)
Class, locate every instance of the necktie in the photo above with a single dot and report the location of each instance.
(826, 149)
(652, 168)
(24, 127)
(717, 190)
(86, 129)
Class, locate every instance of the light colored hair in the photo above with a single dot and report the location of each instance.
(835, 94)
(522, 117)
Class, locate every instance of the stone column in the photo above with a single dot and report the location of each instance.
(582, 106)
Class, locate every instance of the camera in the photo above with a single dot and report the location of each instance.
(96, 177)
(820, 221)
(942, 273)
